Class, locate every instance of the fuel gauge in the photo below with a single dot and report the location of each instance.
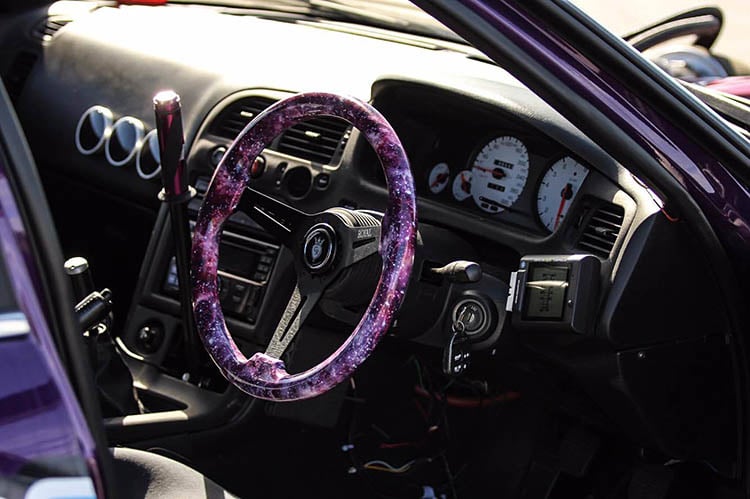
(438, 178)
(462, 185)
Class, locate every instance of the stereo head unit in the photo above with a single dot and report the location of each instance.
(245, 265)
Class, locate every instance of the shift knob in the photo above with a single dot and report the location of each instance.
(79, 272)
(168, 114)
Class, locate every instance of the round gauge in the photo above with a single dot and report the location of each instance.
(558, 189)
(462, 185)
(438, 178)
(499, 173)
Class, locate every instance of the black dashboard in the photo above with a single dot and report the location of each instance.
(499, 175)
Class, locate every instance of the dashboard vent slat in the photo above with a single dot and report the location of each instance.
(319, 139)
(237, 115)
(601, 231)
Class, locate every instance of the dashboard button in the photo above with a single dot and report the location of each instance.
(259, 166)
(322, 180)
(217, 154)
(267, 259)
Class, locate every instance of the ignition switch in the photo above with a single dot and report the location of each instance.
(474, 316)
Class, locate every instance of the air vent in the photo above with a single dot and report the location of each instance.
(602, 230)
(18, 72)
(46, 30)
(234, 118)
(319, 139)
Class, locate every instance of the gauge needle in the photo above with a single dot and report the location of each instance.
(465, 184)
(439, 180)
(565, 194)
(497, 173)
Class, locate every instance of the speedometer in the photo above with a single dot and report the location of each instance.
(557, 190)
(498, 173)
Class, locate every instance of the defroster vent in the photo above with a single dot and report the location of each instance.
(601, 231)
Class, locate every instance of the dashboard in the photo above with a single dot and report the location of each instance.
(499, 174)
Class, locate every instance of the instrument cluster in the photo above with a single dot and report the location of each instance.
(499, 178)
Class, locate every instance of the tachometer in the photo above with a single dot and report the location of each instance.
(499, 173)
(558, 189)
(438, 178)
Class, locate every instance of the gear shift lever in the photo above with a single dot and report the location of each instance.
(176, 194)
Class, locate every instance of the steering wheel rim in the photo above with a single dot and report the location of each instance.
(261, 375)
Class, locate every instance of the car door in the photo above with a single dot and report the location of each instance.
(46, 446)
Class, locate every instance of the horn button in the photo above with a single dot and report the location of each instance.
(319, 248)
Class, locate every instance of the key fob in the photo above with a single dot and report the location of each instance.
(457, 353)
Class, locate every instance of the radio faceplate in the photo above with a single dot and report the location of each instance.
(245, 265)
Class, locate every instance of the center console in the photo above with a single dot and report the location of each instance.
(248, 265)
(255, 278)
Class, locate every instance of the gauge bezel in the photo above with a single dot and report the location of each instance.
(139, 129)
(144, 147)
(109, 120)
(485, 141)
(576, 197)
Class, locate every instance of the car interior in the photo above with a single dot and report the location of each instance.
(563, 333)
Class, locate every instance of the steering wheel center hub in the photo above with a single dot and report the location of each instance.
(319, 248)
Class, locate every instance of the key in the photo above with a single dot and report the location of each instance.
(457, 353)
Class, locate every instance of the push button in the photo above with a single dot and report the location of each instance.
(217, 154)
(259, 166)
(322, 180)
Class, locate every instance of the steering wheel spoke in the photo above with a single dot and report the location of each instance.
(297, 309)
(278, 218)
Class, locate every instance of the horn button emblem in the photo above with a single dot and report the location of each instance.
(319, 248)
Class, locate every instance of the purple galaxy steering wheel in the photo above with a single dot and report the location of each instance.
(323, 244)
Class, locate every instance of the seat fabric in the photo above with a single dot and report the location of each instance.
(142, 474)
